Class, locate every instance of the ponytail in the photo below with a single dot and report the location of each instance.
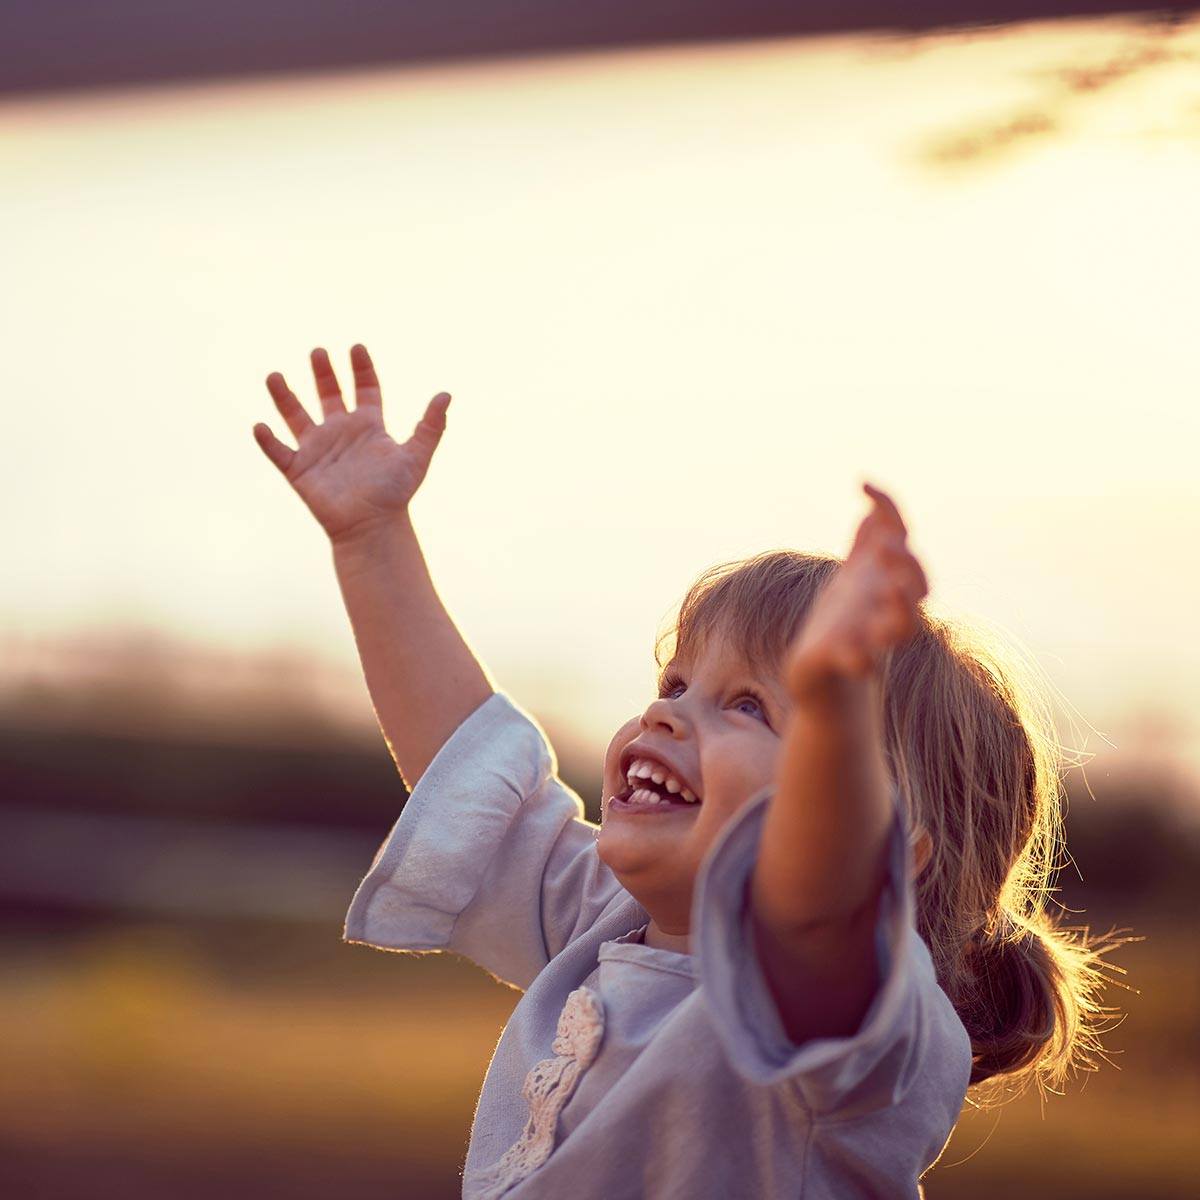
(1030, 1000)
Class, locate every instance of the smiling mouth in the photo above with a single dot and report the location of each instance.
(648, 796)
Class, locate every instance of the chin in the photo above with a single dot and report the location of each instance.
(629, 856)
(621, 853)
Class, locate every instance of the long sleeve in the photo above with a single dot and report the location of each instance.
(909, 1028)
(490, 858)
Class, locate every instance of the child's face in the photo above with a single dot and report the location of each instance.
(724, 747)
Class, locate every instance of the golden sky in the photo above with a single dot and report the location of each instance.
(686, 301)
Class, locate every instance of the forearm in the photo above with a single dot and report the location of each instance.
(423, 679)
(824, 843)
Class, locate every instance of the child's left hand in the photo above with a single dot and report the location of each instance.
(869, 606)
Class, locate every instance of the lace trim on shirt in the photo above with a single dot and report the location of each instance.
(547, 1088)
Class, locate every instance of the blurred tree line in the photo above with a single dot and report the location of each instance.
(1133, 839)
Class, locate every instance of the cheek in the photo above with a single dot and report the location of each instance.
(732, 790)
(714, 815)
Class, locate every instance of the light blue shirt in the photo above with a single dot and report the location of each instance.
(629, 1071)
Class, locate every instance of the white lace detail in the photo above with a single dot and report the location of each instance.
(548, 1087)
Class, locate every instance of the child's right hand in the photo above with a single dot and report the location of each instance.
(347, 469)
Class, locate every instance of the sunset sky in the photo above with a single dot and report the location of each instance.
(686, 300)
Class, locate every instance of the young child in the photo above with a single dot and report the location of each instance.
(813, 913)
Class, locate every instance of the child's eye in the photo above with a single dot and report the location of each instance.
(757, 700)
(670, 684)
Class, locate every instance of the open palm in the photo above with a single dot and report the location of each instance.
(348, 469)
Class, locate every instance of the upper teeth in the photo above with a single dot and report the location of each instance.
(644, 768)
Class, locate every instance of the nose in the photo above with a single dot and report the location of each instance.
(662, 711)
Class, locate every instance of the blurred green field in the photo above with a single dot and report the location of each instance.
(253, 1061)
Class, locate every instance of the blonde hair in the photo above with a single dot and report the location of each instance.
(969, 740)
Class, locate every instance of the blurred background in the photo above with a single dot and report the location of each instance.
(691, 276)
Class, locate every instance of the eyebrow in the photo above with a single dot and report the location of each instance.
(737, 663)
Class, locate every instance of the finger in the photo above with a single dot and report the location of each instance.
(886, 507)
(273, 448)
(431, 426)
(880, 533)
(290, 409)
(916, 580)
(366, 382)
(877, 524)
(903, 566)
(327, 384)
(900, 592)
(870, 529)
(892, 623)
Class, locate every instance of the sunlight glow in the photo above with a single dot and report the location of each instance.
(685, 299)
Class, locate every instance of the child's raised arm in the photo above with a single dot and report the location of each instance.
(357, 482)
(823, 862)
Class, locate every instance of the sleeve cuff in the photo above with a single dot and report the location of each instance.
(826, 1070)
(434, 859)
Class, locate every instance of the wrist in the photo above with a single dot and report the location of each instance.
(820, 682)
(367, 535)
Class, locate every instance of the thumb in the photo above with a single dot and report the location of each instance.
(273, 448)
(431, 426)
